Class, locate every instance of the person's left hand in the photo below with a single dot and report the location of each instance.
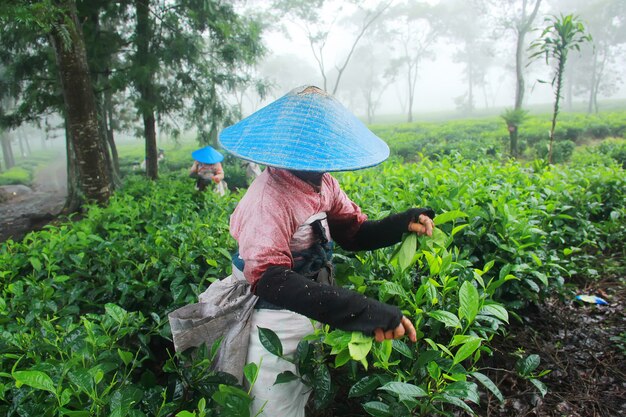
(424, 225)
(216, 179)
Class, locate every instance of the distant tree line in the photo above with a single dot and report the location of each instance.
(389, 43)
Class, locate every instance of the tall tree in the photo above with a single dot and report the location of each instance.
(319, 23)
(416, 27)
(369, 77)
(562, 34)
(57, 22)
(466, 25)
(522, 24)
(516, 16)
(186, 58)
(599, 69)
(80, 104)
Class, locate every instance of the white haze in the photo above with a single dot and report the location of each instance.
(440, 80)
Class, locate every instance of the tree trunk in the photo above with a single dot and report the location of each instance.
(22, 149)
(80, 105)
(7, 151)
(519, 70)
(522, 29)
(470, 81)
(73, 200)
(555, 112)
(513, 136)
(145, 86)
(108, 123)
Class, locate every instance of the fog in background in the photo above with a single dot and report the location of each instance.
(441, 37)
(431, 49)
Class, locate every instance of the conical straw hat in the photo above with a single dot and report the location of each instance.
(305, 130)
(207, 155)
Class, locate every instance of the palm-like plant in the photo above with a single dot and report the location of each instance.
(561, 35)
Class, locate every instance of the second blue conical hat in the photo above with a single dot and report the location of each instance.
(207, 155)
(305, 130)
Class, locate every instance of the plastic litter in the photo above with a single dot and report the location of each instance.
(592, 299)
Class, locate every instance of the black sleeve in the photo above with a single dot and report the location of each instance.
(336, 306)
(385, 232)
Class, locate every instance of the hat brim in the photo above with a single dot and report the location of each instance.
(305, 132)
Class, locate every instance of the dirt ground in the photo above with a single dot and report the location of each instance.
(583, 345)
(27, 211)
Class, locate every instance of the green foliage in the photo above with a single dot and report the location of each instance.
(479, 138)
(507, 235)
(16, 175)
(83, 304)
(514, 117)
(562, 34)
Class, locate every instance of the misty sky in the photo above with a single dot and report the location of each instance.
(440, 78)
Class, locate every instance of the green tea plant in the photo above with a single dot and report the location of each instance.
(455, 319)
(83, 303)
(477, 138)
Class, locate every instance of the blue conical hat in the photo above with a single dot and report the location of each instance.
(207, 155)
(305, 130)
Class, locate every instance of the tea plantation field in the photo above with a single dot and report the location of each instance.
(84, 302)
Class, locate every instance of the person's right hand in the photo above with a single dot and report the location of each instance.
(423, 226)
(404, 328)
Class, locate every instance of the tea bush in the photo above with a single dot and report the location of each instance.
(474, 139)
(83, 304)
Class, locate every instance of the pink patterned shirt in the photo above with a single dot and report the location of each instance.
(268, 221)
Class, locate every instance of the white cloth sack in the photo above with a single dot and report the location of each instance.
(224, 311)
(287, 399)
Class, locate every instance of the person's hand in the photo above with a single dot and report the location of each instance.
(216, 179)
(424, 225)
(404, 328)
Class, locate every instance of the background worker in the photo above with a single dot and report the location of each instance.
(207, 168)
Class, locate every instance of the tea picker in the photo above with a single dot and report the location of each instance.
(286, 226)
(207, 168)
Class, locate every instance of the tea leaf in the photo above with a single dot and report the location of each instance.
(466, 350)
(126, 357)
(322, 385)
(495, 310)
(449, 216)
(402, 348)
(468, 302)
(455, 401)
(284, 377)
(403, 388)
(364, 386)
(528, 364)
(464, 390)
(446, 317)
(251, 371)
(540, 386)
(270, 341)
(359, 346)
(123, 399)
(377, 409)
(407, 251)
(35, 379)
(116, 312)
(488, 383)
(36, 264)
